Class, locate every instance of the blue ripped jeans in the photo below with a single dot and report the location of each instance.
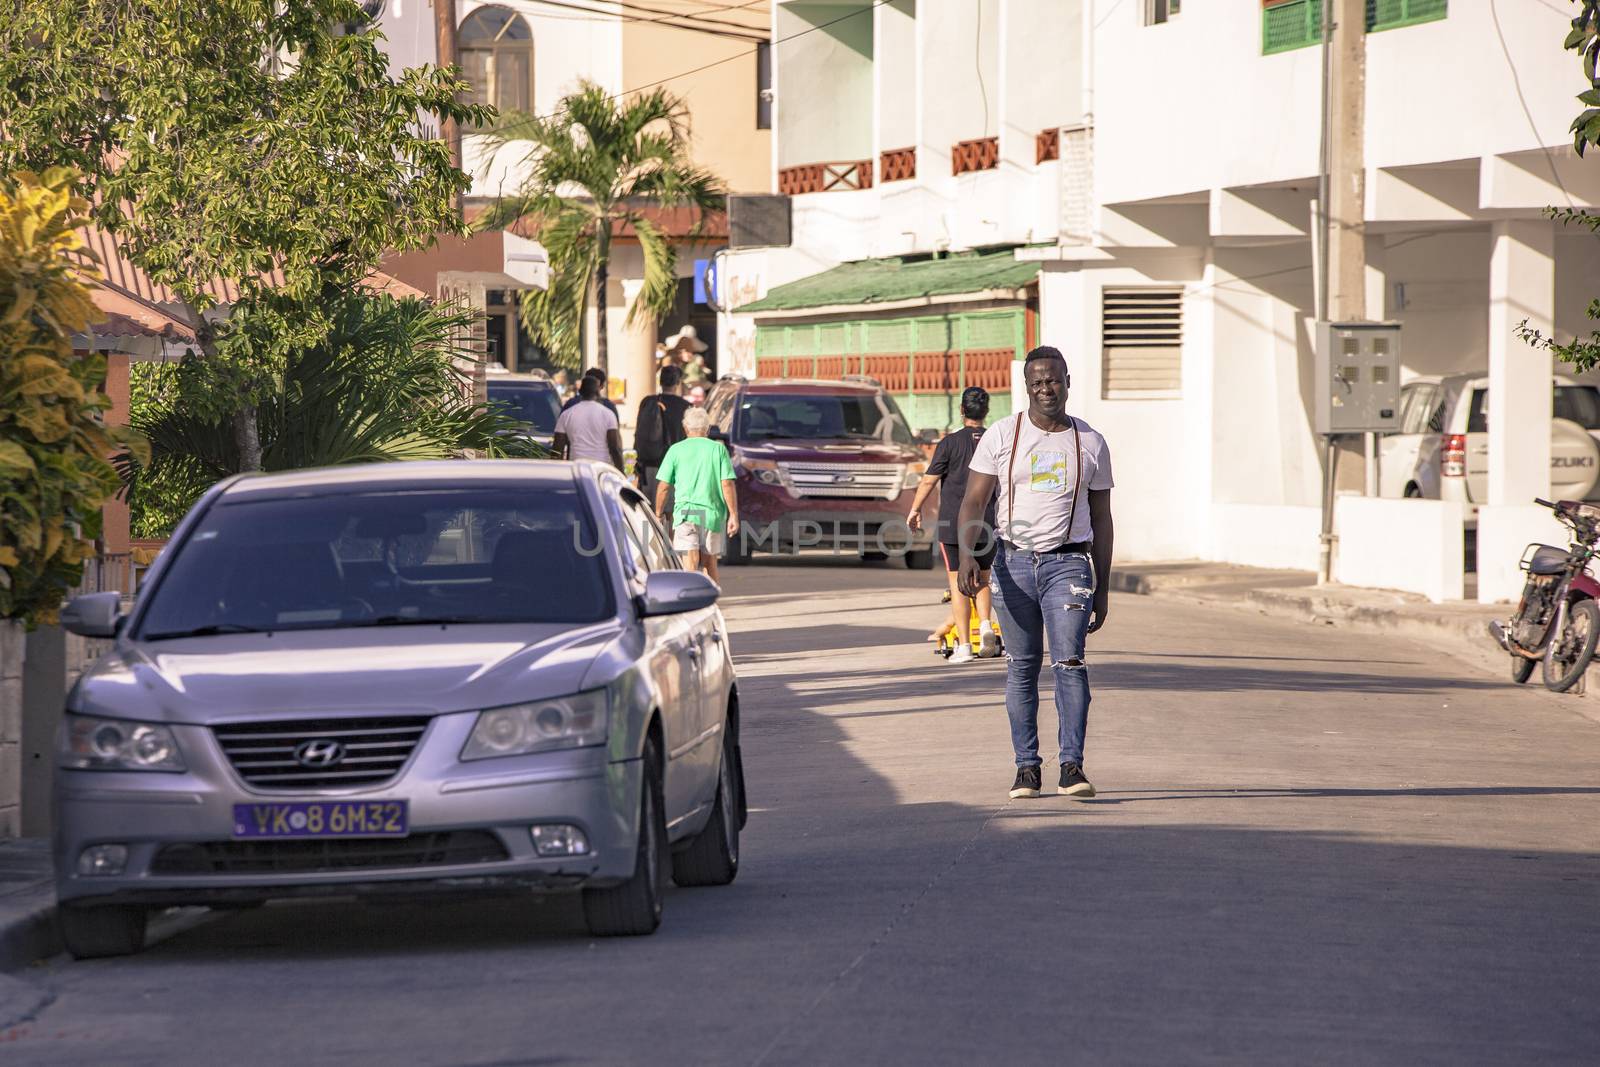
(1044, 600)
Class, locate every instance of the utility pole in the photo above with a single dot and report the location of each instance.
(1342, 279)
(444, 36)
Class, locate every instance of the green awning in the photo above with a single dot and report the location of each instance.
(886, 281)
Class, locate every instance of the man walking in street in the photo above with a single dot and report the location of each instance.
(587, 429)
(600, 379)
(1050, 579)
(660, 427)
(705, 510)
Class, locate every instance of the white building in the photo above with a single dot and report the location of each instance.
(1189, 158)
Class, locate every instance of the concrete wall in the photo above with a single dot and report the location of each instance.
(12, 643)
(1236, 117)
(721, 97)
(824, 75)
(1411, 545)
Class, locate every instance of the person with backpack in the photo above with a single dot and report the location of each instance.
(660, 427)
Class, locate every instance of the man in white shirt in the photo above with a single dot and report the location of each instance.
(588, 429)
(1053, 512)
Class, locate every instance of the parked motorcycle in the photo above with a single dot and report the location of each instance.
(1557, 620)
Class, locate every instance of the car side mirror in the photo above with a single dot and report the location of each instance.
(92, 615)
(674, 592)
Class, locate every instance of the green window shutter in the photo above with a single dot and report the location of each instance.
(1393, 14)
(1295, 24)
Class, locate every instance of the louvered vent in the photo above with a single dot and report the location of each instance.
(1141, 336)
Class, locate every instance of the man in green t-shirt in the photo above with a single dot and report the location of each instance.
(704, 502)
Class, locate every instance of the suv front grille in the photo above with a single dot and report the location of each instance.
(845, 480)
(374, 750)
(441, 849)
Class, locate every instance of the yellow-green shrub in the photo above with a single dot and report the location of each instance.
(55, 470)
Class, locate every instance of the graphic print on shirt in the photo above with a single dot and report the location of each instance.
(1047, 472)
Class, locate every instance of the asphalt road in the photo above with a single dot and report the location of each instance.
(1309, 846)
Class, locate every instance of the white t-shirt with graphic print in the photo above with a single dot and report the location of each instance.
(1045, 490)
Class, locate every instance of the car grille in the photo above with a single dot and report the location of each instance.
(374, 750)
(443, 849)
(862, 480)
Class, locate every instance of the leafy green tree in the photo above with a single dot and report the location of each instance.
(250, 149)
(382, 383)
(1584, 38)
(593, 167)
(54, 475)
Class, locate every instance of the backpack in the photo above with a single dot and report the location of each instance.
(650, 436)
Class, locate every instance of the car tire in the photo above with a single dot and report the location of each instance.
(1413, 492)
(919, 559)
(712, 856)
(737, 553)
(96, 931)
(634, 907)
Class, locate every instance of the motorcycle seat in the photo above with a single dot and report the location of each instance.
(1547, 559)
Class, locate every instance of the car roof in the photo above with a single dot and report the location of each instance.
(811, 387)
(1480, 380)
(414, 474)
(521, 381)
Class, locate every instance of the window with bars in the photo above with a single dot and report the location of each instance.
(1290, 24)
(1141, 343)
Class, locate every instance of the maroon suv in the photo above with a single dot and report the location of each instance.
(823, 464)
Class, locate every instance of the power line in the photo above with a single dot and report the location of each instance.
(599, 15)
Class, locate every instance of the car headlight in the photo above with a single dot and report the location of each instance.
(764, 471)
(564, 722)
(914, 473)
(92, 744)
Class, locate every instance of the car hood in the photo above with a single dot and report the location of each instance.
(823, 450)
(377, 669)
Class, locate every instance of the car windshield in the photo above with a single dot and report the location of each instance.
(806, 417)
(392, 558)
(535, 405)
(1580, 403)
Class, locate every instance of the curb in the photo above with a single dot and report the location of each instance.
(1308, 606)
(28, 931)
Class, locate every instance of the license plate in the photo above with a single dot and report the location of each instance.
(321, 818)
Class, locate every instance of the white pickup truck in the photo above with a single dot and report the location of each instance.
(1441, 451)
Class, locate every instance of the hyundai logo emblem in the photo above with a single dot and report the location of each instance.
(321, 752)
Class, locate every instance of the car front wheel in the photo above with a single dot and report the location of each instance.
(634, 907)
(712, 856)
(91, 932)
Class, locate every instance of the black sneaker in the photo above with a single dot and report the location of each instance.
(1027, 783)
(1073, 783)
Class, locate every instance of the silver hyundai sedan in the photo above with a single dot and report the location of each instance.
(399, 677)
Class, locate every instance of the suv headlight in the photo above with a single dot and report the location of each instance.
(914, 473)
(564, 722)
(762, 470)
(92, 744)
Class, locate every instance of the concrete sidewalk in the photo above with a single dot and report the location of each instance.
(27, 903)
(1296, 595)
(27, 925)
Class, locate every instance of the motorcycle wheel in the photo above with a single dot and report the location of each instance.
(1570, 651)
(1521, 668)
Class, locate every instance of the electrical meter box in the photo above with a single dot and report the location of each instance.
(1357, 377)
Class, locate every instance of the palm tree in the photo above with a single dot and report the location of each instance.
(382, 385)
(593, 167)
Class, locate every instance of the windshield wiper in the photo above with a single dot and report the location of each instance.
(209, 630)
(418, 620)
